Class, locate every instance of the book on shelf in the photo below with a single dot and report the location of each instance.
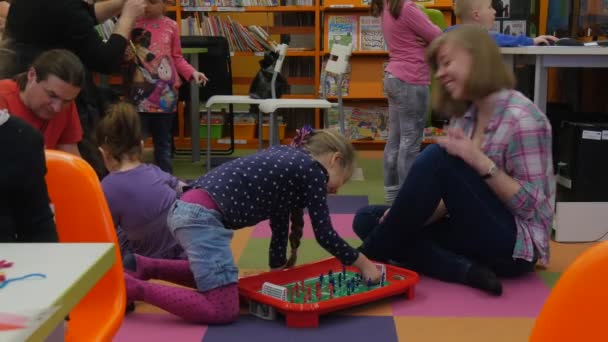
(297, 2)
(240, 38)
(227, 3)
(371, 37)
(106, 28)
(364, 122)
(331, 82)
(362, 30)
(342, 29)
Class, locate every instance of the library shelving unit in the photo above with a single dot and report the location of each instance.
(307, 27)
(302, 62)
(365, 102)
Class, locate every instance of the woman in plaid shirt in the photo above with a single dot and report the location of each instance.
(478, 205)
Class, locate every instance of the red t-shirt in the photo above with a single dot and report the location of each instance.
(64, 128)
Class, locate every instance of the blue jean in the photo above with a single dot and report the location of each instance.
(479, 228)
(160, 127)
(407, 109)
(206, 241)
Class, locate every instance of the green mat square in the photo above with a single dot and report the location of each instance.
(550, 278)
(255, 255)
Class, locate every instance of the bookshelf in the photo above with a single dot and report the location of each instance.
(306, 25)
(285, 17)
(366, 106)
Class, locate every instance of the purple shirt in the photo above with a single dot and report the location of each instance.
(518, 140)
(139, 200)
(406, 54)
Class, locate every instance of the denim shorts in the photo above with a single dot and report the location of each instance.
(206, 241)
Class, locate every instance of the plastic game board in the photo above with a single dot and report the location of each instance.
(302, 308)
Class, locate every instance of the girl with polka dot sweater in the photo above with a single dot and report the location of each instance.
(275, 184)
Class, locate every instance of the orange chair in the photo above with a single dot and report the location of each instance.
(82, 215)
(576, 307)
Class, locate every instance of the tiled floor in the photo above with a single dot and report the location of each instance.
(439, 311)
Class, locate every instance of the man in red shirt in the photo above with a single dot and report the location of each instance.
(44, 98)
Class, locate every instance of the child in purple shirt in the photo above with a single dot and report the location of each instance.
(407, 31)
(139, 195)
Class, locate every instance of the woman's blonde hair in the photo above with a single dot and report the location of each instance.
(488, 73)
(317, 143)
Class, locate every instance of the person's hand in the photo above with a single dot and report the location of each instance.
(368, 269)
(4, 7)
(545, 40)
(384, 215)
(133, 8)
(458, 144)
(200, 78)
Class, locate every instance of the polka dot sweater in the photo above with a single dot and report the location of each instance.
(268, 185)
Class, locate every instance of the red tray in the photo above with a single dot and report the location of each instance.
(398, 280)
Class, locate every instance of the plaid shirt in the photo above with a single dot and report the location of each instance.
(518, 140)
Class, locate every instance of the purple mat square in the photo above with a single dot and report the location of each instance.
(332, 328)
(342, 223)
(522, 297)
(158, 328)
(346, 204)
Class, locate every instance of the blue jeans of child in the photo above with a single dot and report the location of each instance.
(206, 241)
(407, 109)
(159, 126)
(479, 228)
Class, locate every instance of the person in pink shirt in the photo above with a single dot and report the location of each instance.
(407, 31)
(154, 74)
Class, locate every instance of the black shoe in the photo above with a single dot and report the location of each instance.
(129, 263)
(480, 277)
(130, 307)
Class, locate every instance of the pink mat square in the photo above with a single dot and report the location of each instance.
(342, 223)
(522, 297)
(158, 328)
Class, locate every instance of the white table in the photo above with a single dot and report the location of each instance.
(575, 221)
(544, 57)
(230, 99)
(71, 269)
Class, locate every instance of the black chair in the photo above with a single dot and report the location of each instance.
(215, 64)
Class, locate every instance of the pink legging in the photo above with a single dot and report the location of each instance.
(216, 306)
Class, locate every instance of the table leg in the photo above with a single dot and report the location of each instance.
(509, 61)
(195, 137)
(260, 130)
(271, 125)
(540, 84)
